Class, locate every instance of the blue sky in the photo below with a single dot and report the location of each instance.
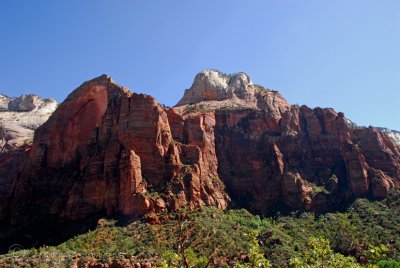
(340, 54)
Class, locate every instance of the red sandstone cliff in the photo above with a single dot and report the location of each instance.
(106, 150)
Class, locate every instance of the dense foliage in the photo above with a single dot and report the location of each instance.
(366, 235)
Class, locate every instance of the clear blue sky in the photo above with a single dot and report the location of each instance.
(340, 54)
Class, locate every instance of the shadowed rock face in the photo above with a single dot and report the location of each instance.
(109, 151)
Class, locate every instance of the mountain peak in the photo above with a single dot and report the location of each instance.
(106, 151)
(24, 103)
(214, 90)
(20, 116)
(213, 85)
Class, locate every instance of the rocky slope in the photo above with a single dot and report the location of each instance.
(393, 134)
(19, 117)
(275, 155)
(228, 142)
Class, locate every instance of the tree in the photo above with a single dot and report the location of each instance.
(256, 257)
(320, 255)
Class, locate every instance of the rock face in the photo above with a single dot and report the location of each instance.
(215, 90)
(272, 155)
(108, 151)
(393, 134)
(19, 117)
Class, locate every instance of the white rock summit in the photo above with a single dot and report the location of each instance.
(212, 89)
(19, 117)
(212, 85)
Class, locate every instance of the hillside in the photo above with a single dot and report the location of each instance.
(366, 235)
(228, 144)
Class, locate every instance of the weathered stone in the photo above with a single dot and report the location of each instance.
(108, 151)
(19, 117)
(105, 150)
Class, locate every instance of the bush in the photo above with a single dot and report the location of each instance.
(388, 264)
(368, 231)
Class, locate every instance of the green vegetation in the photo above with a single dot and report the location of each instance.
(366, 235)
(195, 107)
(203, 108)
(320, 254)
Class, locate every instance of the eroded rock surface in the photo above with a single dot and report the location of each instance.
(214, 90)
(272, 155)
(393, 134)
(19, 117)
(109, 151)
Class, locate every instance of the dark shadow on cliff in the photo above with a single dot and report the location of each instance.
(48, 231)
(52, 231)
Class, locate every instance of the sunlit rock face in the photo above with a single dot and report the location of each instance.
(211, 85)
(19, 117)
(102, 151)
(393, 134)
(272, 155)
(227, 143)
(212, 89)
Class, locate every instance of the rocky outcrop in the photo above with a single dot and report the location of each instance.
(106, 150)
(4, 100)
(109, 151)
(307, 159)
(274, 156)
(213, 90)
(19, 117)
(393, 134)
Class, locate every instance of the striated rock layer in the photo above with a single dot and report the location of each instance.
(272, 155)
(228, 142)
(108, 150)
(393, 134)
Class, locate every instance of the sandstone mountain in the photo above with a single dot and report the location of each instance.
(19, 117)
(227, 143)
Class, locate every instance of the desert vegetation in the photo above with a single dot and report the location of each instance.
(366, 235)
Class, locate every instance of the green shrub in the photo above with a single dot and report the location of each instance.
(388, 264)
(368, 231)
